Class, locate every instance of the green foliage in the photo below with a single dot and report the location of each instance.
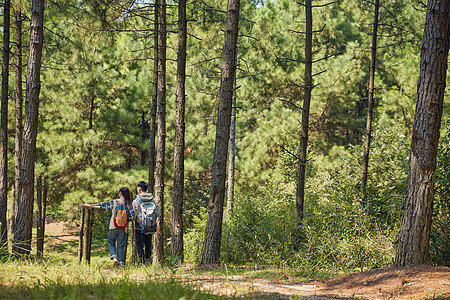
(440, 234)
(344, 232)
(91, 66)
(261, 229)
(339, 232)
(193, 239)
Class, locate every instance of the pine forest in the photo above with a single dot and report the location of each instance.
(272, 133)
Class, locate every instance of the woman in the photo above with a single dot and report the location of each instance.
(122, 212)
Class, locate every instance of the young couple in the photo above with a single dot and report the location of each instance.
(117, 236)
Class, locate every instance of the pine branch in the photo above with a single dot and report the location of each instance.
(286, 150)
(319, 73)
(326, 4)
(291, 103)
(327, 57)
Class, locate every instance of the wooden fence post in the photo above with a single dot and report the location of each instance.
(87, 236)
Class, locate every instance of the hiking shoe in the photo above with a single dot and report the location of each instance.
(115, 262)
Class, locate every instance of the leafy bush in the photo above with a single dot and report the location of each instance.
(193, 239)
(261, 229)
(440, 232)
(338, 231)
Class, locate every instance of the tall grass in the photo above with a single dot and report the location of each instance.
(54, 278)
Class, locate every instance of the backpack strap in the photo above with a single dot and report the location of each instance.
(114, 207)
(139, 216)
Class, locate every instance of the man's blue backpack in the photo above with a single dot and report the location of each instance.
(147, 216)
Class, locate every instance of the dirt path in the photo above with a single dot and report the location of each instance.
(419, 282)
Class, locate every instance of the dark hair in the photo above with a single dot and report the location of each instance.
(126, 195)
(143, 185)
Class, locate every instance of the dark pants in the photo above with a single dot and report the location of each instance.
(143, 245)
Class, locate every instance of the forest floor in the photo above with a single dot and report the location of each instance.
(418, 282)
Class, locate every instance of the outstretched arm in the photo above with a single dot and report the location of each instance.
(106, 204)
(92, 205)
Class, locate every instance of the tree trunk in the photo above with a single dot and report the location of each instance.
(158, 249)
(24, 219)
(39, 209)
(371, 100)
(231, 151)
(90, 126)
(178, 177)
(414, 237)
(152, 152)
(44, 209)
(4, 131)
(300, 195)
(144, 137)
(213, 232)
(19, 127)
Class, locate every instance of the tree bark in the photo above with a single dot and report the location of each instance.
(158, 249)
(4, 131)
(90, 126)
(414, 237)
(231, 151)
(24, 219)
(371, 101)
(213, 232)
(300, 195)
(19, 126)
(178, 177)
(152, 148)
(144, 137)
(39, 209)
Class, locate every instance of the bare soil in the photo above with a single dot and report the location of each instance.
(416, 282)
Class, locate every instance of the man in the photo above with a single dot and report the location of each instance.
(142, 237)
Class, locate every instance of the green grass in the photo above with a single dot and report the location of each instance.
(56, 279)
(60, 276)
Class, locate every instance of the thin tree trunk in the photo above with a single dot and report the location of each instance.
(4, 131)
(213, 232)
(300, 195)
(178, 177)
(19, 126)
(91, 113)
(144, 137)
(414, 237)
(39, 232)
(231, 151)
(90, 126)
(371, 100)
(44, 209)
(153, 128)
(158, 249)
(24, 219)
